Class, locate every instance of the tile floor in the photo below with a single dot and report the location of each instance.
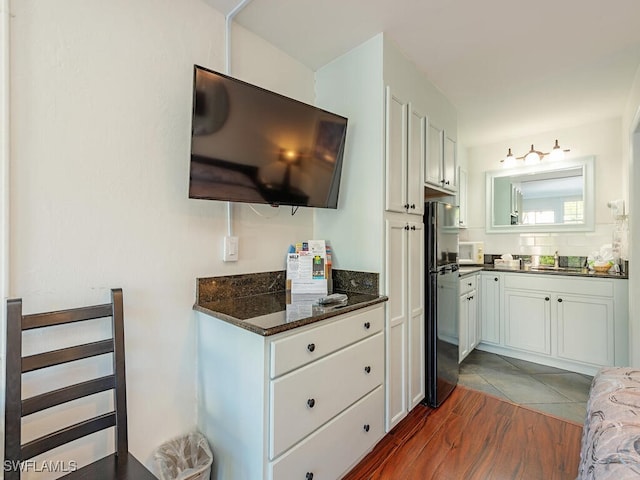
(547, 389)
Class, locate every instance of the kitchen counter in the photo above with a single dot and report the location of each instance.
(571, 272)
(259, 302)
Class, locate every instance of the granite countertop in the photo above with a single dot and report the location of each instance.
(259, 302)
(571, 272)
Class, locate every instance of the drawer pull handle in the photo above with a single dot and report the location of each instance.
(311, 347)
(560, 300)
(546, 299)
(366, 427)
(367, 325)
(309, 476)
(367, 369)
(469, 283)
(495, 279)
(311, 403)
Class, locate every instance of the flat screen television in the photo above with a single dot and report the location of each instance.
(252, 145)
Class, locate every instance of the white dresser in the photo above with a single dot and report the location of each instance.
(304, 404)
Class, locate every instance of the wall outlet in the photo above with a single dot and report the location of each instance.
(230, 249)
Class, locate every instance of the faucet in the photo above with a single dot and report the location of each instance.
(556, 260)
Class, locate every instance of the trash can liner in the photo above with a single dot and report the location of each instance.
(187, 457)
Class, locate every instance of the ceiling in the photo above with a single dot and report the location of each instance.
(512, 68)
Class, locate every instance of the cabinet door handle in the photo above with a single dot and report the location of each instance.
(471, 297)
(560, 300)
(546, 299)
(447, 182)
(469, 283)
(413, 206)
(413, 227)
(367, 325)
(406, 206)
(311, 347)
(366, 427)
(308, 476)
(406, 227)
(367, 369)
(311, 403)
(496, 279)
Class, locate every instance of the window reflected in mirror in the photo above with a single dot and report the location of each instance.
(554, 197)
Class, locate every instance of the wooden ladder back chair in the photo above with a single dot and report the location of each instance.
(120, 465)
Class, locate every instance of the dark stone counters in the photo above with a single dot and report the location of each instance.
(570, 272)
(259, 302)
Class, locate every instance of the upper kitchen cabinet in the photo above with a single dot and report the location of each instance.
(404, 156)
(441, 163)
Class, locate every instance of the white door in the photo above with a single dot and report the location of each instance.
(396, 154)
(416, 331)
(397, 319)
(463, 346)
(416, 159)
(586, 329)
(449, 164)
(527, 320)
(490, 309)
(433, 173)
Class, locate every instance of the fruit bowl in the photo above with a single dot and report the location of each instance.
(602, 268)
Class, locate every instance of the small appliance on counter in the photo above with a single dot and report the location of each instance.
(471, 253)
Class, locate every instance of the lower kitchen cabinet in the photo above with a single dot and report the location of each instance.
(574, 323)
(527, 320)
(468, 312)
(405, 347)
(491, 307)
(307, 403)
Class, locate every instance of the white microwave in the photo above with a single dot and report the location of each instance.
(471, 253)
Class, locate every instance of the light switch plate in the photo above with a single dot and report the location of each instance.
(230, 249)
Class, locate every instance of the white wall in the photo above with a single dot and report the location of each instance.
(351, 85)
(101, 106)
(601, 139)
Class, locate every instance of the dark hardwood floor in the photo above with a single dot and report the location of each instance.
(475, 436)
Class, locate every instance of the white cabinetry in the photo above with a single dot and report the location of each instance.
(468, 315)
(405, 318)
(405, 156)
(490, 306)
(441, 161)
(527, 318)
(579, 324)
(462, 197)
(305, 402)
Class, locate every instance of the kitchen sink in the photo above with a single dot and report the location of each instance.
(551, 268)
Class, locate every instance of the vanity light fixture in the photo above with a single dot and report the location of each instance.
(533, 156)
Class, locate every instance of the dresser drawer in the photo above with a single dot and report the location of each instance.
(467, 284)
(303, 400)
(333, 449)
(299, 349)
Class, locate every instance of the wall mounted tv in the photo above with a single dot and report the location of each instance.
(252, 145)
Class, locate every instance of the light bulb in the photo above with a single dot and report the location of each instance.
(532, 158)
(509, 161)
(557, 153)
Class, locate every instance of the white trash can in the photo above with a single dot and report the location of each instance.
(187, 457)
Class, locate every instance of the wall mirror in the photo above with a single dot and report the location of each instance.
(549, 197)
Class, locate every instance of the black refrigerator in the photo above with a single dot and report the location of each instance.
(441, 224)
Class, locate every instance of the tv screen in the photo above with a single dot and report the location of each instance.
(252, 145)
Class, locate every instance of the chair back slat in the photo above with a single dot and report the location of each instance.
(39, 320)
(64, 355)
(68, 434)
(63, 395)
